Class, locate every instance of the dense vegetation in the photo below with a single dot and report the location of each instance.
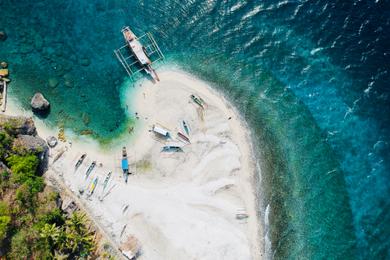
(32, 225)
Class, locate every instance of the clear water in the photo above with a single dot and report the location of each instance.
(310, 77)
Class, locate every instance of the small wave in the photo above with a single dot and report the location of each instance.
(267, 240)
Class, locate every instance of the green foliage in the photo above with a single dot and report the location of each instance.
(53, 217)
(23, 167)
(4, 209)
(4, 224)
(78, 238)
(34, 227)
(5, 143)
(20, 247)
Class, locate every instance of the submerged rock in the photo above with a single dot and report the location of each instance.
(3, 36)
(85, 62)
(51, 141)
(53, 82)
(39, 103)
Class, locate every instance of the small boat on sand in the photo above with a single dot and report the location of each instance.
(80, 161)
(182, 136)
(90, 168)
(186, 127)
(92, 187)
(106, 180)
(199, 101)
(171, 148)
(125, 164)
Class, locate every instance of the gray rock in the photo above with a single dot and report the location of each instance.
(33, 144)
(4, 168)
(51, 141)
(3, 36)
(21, 125)
(39, 102)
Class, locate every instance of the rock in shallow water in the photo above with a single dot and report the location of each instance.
(53, 82)
(39, 103)
(51, 141)
(3, 36)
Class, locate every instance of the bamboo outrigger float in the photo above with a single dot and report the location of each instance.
(142, 56)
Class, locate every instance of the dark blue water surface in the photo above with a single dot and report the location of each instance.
(310, 77)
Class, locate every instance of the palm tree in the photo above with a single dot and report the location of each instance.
(51, 234)
(79, 240)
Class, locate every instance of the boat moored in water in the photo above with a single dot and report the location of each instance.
(141, 54)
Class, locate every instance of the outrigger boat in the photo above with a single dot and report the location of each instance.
(199, 101)
(90, 168)
(125, 164)
(80, 161)
(141, 54)
(182, 136)
(186, 127)
(93, 186)
(106, 181)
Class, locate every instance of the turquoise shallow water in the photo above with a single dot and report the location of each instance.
(310, 77)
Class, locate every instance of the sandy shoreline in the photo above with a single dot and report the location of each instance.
(180, 205)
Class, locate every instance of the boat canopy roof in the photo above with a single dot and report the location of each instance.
(160, 130)
(125, 164)
(138, 51)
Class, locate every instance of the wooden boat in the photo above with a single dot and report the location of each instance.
(186, 127)
(199, 101)
(125, 164)
(139, 52)
(80, 161)
(172, 148)
(106, 180)
(92, 187)
(182, 136)
(90, 168)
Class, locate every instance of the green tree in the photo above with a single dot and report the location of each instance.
(79, 240)
(4, 224)
(5, 143)
(23, 167)
(20, 247)
(51, 235)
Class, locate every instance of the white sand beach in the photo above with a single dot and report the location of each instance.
(179, 205)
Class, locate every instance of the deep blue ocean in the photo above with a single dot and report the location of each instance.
(310, 77)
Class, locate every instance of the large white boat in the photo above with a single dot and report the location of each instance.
(141, 54)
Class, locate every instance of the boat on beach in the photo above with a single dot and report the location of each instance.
(199, 101)
(92, 187)
(106, 180)
(90, 168)
(80, 161)
(183, 137)
(125, 164)
(186, 127)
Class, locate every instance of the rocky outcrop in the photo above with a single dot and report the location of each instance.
(19, 125)
(32, 144)
(39, 103)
